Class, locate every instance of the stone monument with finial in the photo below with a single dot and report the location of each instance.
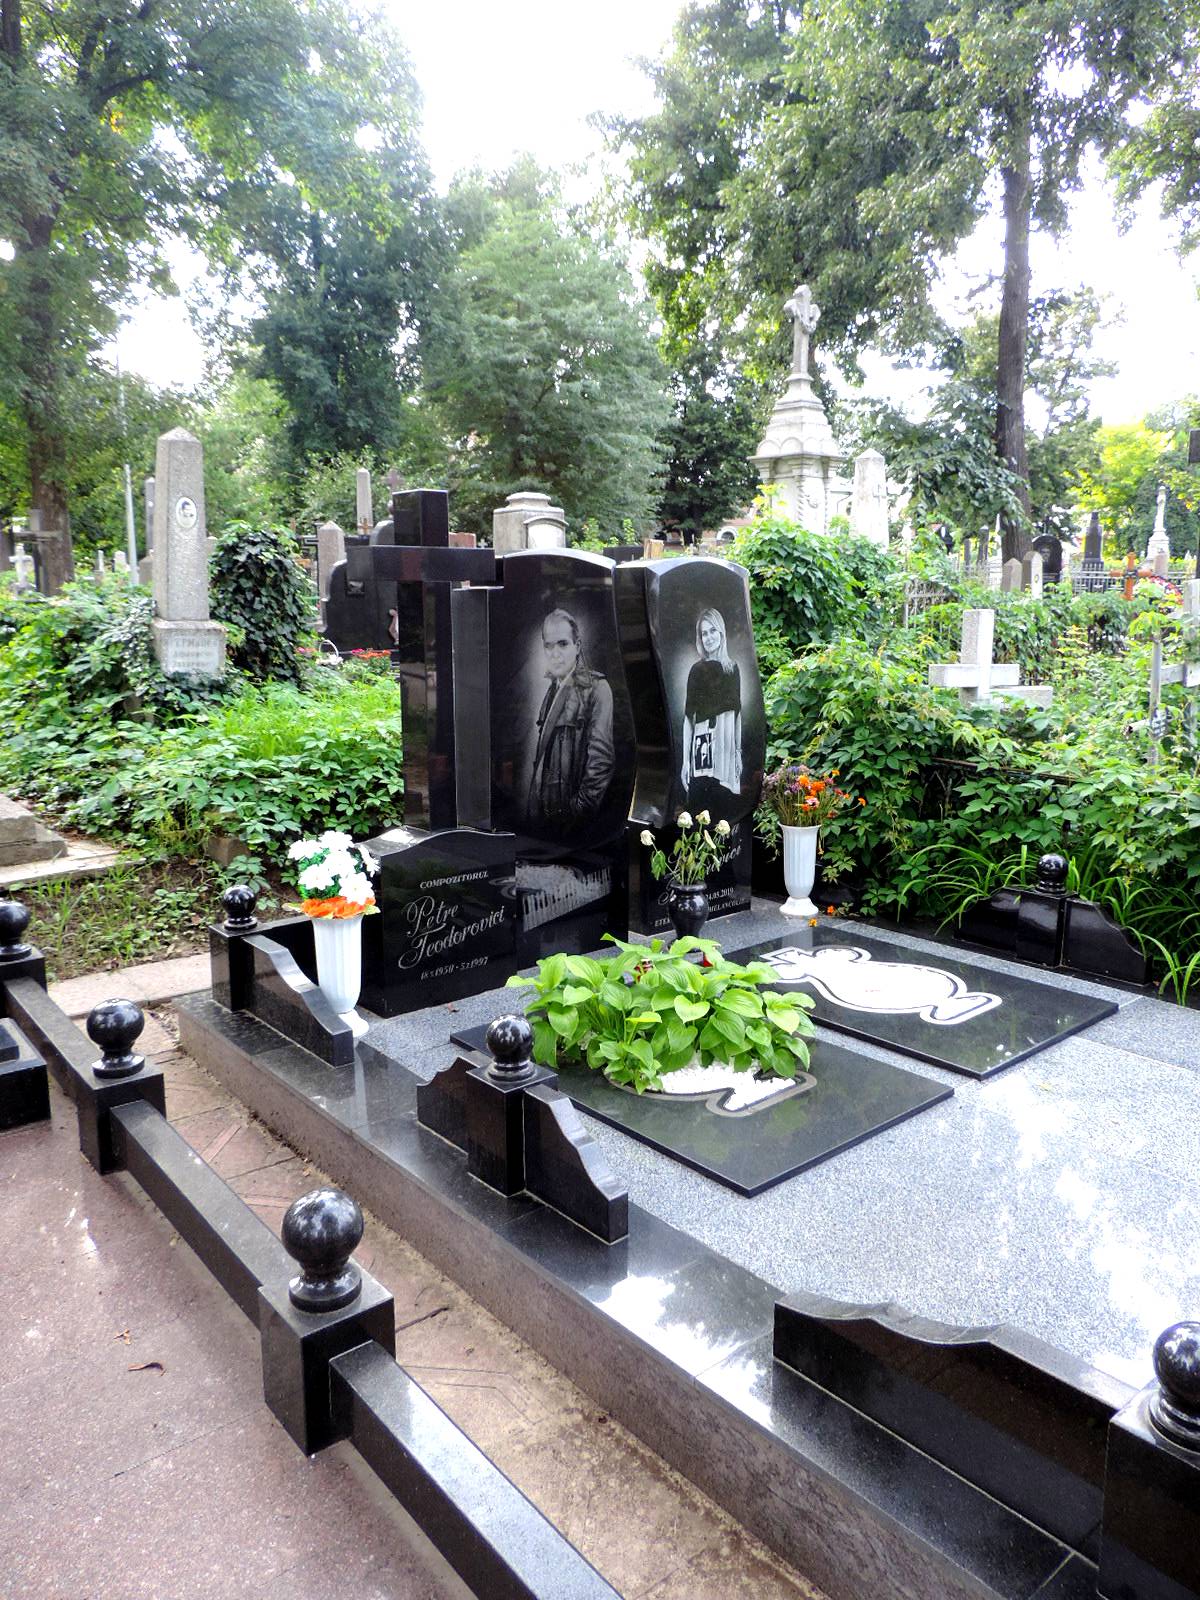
(798, 457)
(186, 641)
(1158, 550)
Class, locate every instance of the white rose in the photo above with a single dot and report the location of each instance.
(368, 860)
(723, 829)
(703, 818)
(300, 848)
(647, 836)
(335, 840)
(685, 819)
(314, 877)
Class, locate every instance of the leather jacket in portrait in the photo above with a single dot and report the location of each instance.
(573, 761)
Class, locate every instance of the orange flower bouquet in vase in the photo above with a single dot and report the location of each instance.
(796, 804)
(334, 876)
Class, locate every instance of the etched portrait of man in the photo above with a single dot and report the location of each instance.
(573, 757)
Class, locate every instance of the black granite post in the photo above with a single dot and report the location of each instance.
(1093, 545)
(328, 1308)
(18, 958)
(1150, 1542)
(116, 1078)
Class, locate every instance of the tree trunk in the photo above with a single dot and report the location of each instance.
(1014, 329)
(41, 398)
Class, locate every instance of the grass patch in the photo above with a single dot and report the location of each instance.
(139, 912)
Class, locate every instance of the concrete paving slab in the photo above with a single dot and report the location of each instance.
(84, 859)
(148, 983)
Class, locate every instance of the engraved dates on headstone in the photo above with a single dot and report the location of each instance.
(446, 923)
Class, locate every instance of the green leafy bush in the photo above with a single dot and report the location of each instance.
(260, 591)
(648, 1011)
(810, 588)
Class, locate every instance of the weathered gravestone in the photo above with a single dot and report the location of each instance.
(528, 521)
(186, 642)
(699, 717)
(539, 675)
(1049, 547)
(869, 504)
(1032, 575)
(331, 548)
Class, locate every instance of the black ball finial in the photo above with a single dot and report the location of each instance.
(321, 1231)
(1051, 874)
(114, 1025)
(239, 901)
(1175, 1409)
(14, 919)
(510, 1045)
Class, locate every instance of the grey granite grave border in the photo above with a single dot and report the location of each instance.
(668, 1335)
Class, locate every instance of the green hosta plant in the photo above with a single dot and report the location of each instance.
(648, 1010)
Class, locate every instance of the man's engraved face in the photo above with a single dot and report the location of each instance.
(560, 646)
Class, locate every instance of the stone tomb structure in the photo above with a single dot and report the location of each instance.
(699, 715)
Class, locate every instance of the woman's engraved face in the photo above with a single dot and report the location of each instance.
(560, 646)
(710, 637)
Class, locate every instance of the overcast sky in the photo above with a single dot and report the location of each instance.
(525, 75)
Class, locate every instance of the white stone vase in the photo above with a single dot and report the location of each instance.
(338, 942)
(799, 870)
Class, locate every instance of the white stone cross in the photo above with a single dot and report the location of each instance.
(805, 314)
(976, 676)
(22, 565)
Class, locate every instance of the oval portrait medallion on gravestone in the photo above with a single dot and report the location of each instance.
(698, 701)
(562, 730)
(186, 513)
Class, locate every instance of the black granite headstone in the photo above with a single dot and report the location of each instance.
(360, 612)
(1051, 551)
(727, 888)
(694, 683)
(447, 918)
(538, 662)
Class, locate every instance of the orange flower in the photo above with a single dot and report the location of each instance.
(335, 906)
(830, 911)
(861, 801)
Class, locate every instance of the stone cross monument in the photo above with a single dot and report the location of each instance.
(798, 457)
(186, 642)
(1158, 551)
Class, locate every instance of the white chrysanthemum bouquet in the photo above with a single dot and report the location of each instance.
(333, 875)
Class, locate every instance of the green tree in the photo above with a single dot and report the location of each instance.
(890, 127)
(544, 370)
(947, 460)
(1129, 454)
(340, 330)
(709, 475)
(120, 128)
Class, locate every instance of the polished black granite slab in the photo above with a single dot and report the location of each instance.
(843, 1099)
(954, 1013)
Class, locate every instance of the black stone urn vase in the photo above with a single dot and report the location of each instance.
(687, 907)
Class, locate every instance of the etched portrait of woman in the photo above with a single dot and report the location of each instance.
(573, 757)
(712, 721)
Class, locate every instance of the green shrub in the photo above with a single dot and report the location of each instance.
(260, 591)
(648, 1011)
(810, 588)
